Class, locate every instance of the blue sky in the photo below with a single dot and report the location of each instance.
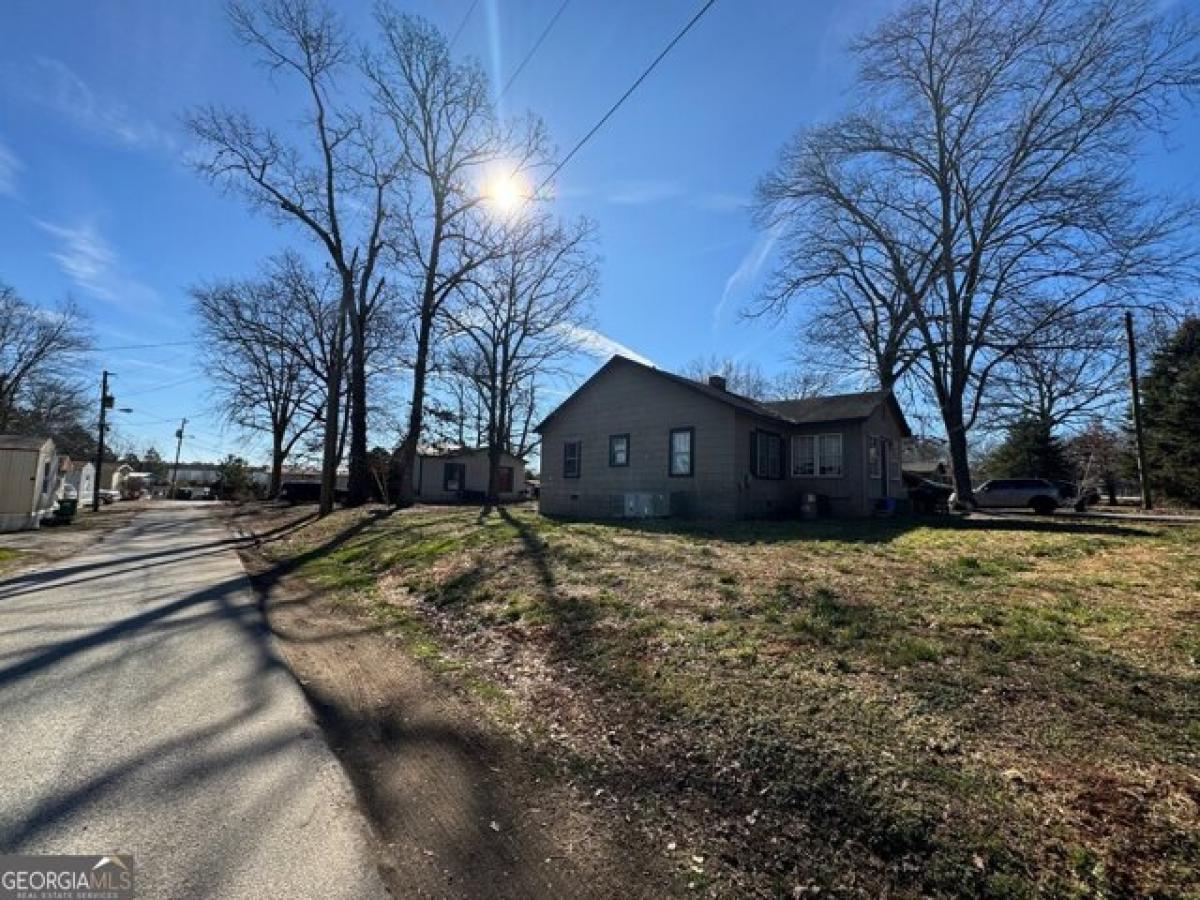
(97, 203)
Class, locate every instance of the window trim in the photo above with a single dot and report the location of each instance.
(757, 442)
(690, 430)
(841, 442)
(796, 457)
(817, 455)
(895, 460)
(578, 458)
(612, 457)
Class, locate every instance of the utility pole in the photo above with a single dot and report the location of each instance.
(178, 447)
(1143, 473)
(106, 403)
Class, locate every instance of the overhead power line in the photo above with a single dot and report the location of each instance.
(625, 96)
(533, 49)
(162, 387)
(148, 346)
(461, 25)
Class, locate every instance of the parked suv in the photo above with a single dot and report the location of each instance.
(1038, 494)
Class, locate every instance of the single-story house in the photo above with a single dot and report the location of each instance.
(636, 441)
(28, 481)
(452, 474)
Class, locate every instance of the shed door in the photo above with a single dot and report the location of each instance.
(885, 452)
(453, 477)
(505, 482)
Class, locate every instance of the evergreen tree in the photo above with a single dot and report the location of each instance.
(1031, 450)
(234, 481)
(1171, 415)
(154, 463)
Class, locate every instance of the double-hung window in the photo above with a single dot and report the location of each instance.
(804, 456)
(816, 455)
(874, 463)
(572, 458)
(767, 455)
(618, 449)
(831, 455)
(680, 463)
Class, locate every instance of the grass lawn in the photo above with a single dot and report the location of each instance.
(998, 708)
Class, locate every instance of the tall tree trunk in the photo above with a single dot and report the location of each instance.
(493, 486)
(408, 448)
(277, 454)
(960, 467)
(359, 481)
(333, 403)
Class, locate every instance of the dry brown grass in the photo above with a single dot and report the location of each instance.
(1001, 708)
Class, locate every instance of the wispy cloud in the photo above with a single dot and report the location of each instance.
(601, 346)
(746, 274)
(53, 85)
(92, 265)
(9, 167)
(656, 191)
(640, 193)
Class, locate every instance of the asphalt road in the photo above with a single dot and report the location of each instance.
(143, 710)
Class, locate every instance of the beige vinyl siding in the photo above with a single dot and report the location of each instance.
(882, 424)
(428, 476)
(26, 494)
(628, 400)
(764, 497)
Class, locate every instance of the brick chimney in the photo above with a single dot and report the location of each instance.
(717, 381)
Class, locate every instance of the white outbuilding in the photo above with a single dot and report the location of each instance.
(28, 481)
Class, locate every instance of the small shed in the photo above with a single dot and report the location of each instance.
(82, 477)
(460, 474)
(28, 481)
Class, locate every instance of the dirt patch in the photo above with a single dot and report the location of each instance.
(456, 810)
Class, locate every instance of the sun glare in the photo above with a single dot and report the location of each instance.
(506, 192)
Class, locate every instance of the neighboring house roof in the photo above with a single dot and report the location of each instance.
(447, 452)
(22, 442)
(833, 408)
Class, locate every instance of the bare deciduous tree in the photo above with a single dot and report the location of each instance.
(741, 377)
(1071, 374)
(989, 175)
(443, 120)
(748, 379)
(253, 340)
(515, 320)
(39, 348)
(335, 181)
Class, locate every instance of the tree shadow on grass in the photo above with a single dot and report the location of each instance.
(871, 531)
(705, 756)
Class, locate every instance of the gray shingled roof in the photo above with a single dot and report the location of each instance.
(21, 442)
(832, 408)
(827, 409)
